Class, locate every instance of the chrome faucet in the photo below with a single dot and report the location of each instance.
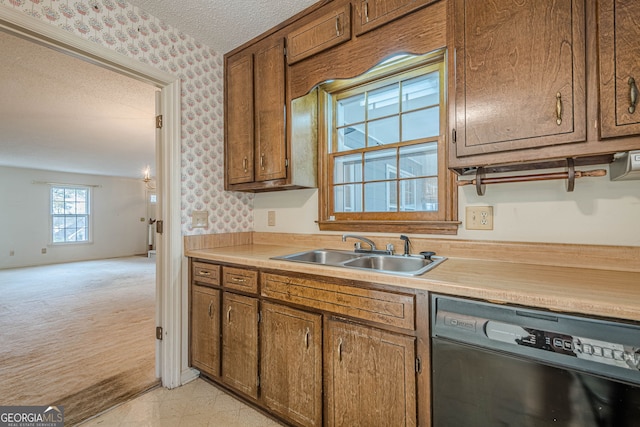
(358, 247)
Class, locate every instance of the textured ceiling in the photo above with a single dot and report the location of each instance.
(60, 113)
(221, 24)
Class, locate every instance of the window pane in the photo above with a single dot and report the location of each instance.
(419, 160)
(58, 236)
(384, 131)
(70, 222)
(58, 194)
(351, 138)
(383, 102)
(380, 165)
(58, 207)
(81, 208)
(350, 110)
(419, 195)
(70, 235)
(348, 198)
(347, 169)
(421, 92)
(81, 221)
(421, 124)
(380, 197)
(82, 234)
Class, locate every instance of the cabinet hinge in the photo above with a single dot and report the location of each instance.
(284, 51)
(418, 365)
(258, 381)
(159, 333)
(159, 121)
(259, 316)
(454, 135)
(286, 163)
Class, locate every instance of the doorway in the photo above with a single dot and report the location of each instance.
(168, 244)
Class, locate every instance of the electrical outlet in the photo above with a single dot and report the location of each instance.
(44, 250)
(12, 252)
(271, 218)
(199, 219)
(479, 218)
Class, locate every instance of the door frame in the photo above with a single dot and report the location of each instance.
(169, 258)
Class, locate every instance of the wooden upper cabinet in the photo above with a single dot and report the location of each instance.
(269, 87)
(239, 119)
(520, 75)
(291, 363)
(619, 53)
(205, 330)
(331, 29)
(371, 14)
(369, 375)
(240, 343)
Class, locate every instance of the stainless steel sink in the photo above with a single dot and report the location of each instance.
(322, 256)
(391, 264)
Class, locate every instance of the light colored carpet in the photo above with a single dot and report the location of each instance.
(78, 334)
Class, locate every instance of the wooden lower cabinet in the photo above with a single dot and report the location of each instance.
(369, 375)
(240, 343)
(291, 363)
(205, 329)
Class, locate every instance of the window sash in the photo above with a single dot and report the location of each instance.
(70, 214)
(439, 209)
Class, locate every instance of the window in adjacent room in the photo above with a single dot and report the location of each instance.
(384, 162)
(70, 210)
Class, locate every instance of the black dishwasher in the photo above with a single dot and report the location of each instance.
(496, 365)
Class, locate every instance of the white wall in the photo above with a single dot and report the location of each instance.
(118, 204)
(598, 211)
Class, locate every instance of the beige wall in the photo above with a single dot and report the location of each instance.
(599, 211)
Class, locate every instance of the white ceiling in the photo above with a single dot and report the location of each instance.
(222, 24)
(63, 114)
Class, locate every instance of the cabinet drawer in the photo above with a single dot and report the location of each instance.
(378, 306)
(240, 279)
(372, 14)
(327, 31)
(205, 273)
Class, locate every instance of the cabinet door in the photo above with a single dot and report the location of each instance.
(371, 14)
(370, 376)
(327, 31)
(291, 363)
(520, 74)
(240, 343)
(239, 119)
(619, 53)
(205, 329)
(270, 146)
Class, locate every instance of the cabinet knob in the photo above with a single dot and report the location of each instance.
(366, 11)
(262, 160)
(210, 307)
(340, 350)
(229, 315)
(558, 108)
(245, 164)
(338, 26)
(633, 95)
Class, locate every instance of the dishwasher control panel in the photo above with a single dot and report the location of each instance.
(591, 344)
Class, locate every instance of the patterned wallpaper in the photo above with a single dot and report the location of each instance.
(117, 25)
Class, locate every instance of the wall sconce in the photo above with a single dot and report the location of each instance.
(147, 179)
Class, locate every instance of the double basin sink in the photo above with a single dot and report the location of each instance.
(410, 265)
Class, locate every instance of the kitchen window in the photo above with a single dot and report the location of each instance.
(384, 161)
(70, 210)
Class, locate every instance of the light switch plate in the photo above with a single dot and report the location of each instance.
(199, 219)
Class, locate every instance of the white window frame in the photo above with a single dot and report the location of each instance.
(88, 215)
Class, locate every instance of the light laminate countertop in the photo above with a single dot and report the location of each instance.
(605, 293)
